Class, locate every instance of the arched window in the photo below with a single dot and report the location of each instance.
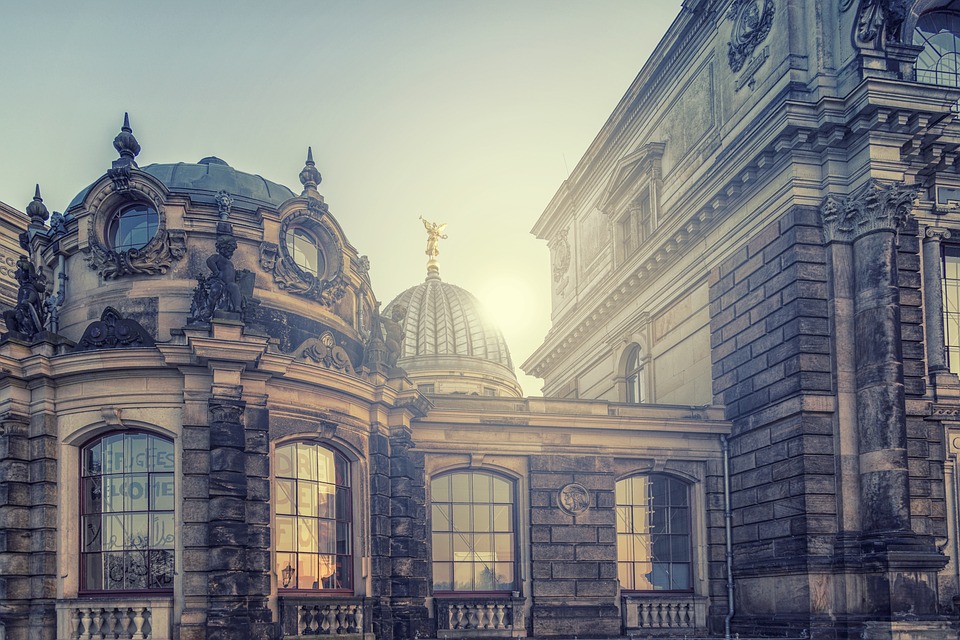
(127, 513)
(305, 251)
(633, 375)
(653, 534)
(314, 514)
(939, 62)
(474, 544)
(133, 227)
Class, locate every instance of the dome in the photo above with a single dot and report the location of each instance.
(448, 343)
(202, 181)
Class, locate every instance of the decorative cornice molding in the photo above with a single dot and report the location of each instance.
(876, 206)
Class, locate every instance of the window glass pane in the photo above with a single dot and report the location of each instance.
(317, 544)
(461, 517)
(463, 576)
(91, 460)
(161, 492)
(461, 487)
(91, 533)
(284, 461)
(482, 488)
(484, 578)
(505, 580)
(161, 569)
(502, 518)
(161, 531)
(441, 517)
(442, 576)
(92, 494)
(501, 491)
(113, 454)
(134, 227)
(442, 546)
(440, 489)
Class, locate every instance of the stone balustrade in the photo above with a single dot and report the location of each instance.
(114, 619)
(480, 617)
(676, 612)
(308, 616)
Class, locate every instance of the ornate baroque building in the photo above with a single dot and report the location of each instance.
(209, 429)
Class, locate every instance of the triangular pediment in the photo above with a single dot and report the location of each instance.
(631, 173)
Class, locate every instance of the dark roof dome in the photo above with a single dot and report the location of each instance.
(202, 181)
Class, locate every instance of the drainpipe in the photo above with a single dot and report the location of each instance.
(727, 519)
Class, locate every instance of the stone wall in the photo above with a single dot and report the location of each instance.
(573, 557)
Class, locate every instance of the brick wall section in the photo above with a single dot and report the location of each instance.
(771, 347)
(573, 556)
(924, 438)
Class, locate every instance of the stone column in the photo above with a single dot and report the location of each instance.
(870, 219)
(933, 299)
(227, 535)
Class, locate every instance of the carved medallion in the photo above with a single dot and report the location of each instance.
(561, 261)
(573, 498)
(752, 20)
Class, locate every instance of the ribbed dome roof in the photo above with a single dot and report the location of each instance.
(204, 179)
(446, 334)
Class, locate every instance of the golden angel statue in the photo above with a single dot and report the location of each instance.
(434, 235)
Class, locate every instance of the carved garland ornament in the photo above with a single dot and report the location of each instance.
(561, 261)
(751, 25)
(873, 207)
(330, 286)
(156, 257)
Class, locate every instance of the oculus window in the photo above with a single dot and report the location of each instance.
(653, 534)
(127, 513)
(133, 228)
(474, 541)
(305, 252)
(314, 518)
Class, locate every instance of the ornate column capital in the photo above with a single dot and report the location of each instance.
(876, 206)
(936, 234)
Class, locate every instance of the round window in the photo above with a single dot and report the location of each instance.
(134, 227)
(303, 248)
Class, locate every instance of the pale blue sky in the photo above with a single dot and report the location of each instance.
(465, 112)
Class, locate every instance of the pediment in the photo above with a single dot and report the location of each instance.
(631, 173)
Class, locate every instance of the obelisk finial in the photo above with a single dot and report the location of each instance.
(434, 235)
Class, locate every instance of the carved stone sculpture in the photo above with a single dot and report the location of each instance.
(393, 333)
(29, 315)
(220, 291)
(752, 20)
(879, 21)
(113, 331)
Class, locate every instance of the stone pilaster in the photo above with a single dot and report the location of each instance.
(933, 298)
(410, 562)
(195, 507)
(227, 535)
(257, 518)
(573, 550)
(380, 530)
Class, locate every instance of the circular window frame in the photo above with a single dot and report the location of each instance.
(327, 245)
(110, 233)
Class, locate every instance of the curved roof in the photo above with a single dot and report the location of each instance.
(202, 181)
(444, 329)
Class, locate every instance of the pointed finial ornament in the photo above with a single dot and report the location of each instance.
(126, 145)
(434, 235)
(37, 210)
(310, 176)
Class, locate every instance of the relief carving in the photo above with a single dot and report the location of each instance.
(328, 287)
(325, 351)
(113, 331)
(751, 25)
(878, 21)
(560, 249)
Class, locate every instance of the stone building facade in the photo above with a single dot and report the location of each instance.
(215, 433)
(765, 223)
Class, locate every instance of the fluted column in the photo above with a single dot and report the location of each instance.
(933, 299)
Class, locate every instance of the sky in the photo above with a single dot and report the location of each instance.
(468, 112)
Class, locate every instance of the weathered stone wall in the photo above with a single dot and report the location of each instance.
(573, 557)
(772, 371)
(28, 527)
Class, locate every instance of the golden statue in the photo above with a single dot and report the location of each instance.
(434, 235)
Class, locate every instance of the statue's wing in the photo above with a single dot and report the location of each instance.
(441, 227)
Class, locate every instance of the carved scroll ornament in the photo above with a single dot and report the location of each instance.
(113, 331)
(752, 21)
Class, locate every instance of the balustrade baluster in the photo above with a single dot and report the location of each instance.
(138, 618)
(357, 619)
(84, 623)
(499, 614)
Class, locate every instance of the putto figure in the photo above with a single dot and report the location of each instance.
(29, 316)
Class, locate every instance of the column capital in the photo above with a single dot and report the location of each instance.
(876, 206)
(936, 234)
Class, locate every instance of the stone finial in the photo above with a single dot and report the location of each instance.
(876, 206)
(37, 210)
(310, 176)
(126, 145)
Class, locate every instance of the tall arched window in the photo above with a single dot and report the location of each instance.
(939, 62)
(314, 527)
(653, 534)
(633, 375)
(474, 541)
(127, 513)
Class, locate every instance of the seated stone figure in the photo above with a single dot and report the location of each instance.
(28, 317)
